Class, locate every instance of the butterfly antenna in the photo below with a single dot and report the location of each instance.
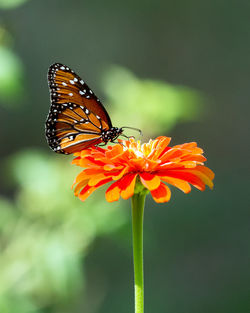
(122, 135)
(136, 129)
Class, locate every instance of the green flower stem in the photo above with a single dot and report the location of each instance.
(138, 201)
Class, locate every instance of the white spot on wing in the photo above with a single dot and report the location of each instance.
(62, 68)
(70, 94)
(71, 81)
(64, 84)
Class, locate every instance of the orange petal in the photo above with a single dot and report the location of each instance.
(82, 162)
(85, 153)
(188, 164)
(110, 167)
(127, 185)
(160, 147)
(151, 182)
(179, 183)
(96, 179)
(87, 189)
(185, 175)
(81, 176)
(113, 192)
(86, 192)
(95, 161)
(161, 194)
(187, 146)
(200, 172)
(102, 182)
(119, 174)
(194, 157)
(79, 186)
(93, 170)
(114, 151)
(205, 170)
(206, 180)
(137, 164)
(171, 154)
(75, 160)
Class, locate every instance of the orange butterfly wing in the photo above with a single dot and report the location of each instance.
(77, 119)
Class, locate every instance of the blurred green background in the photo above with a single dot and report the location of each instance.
(174, 68)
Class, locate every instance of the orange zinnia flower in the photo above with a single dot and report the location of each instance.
(152, 164)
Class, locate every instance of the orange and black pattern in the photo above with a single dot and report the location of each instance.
(77, 119)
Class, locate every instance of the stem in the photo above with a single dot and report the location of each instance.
(137, 222)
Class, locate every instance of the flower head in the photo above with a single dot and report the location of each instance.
(151, 164)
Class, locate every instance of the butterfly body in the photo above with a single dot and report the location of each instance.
(77, 119)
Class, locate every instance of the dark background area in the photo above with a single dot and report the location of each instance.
(196, 246)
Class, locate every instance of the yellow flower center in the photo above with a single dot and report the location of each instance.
(141, 151)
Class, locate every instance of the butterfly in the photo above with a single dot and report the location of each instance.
(77, 119)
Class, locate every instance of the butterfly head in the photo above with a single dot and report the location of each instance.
(118, 131)
(112, 134)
